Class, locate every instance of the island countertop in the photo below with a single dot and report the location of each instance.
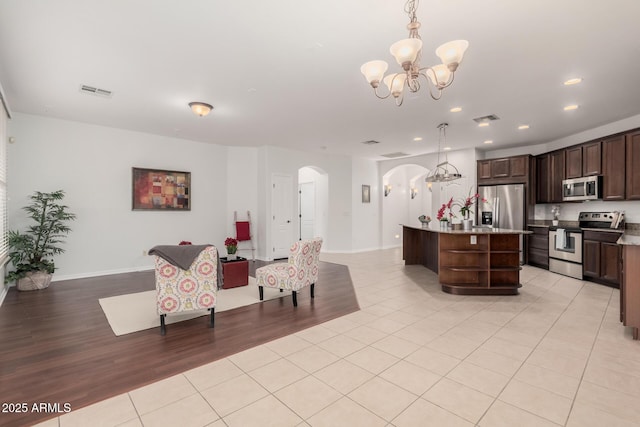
(474, 230)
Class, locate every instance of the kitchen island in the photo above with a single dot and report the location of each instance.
(481, 261)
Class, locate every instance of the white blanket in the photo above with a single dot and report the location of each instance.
(561, 238)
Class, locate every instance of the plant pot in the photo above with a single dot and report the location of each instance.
(467, 224)
(33, 281)
(231, 257)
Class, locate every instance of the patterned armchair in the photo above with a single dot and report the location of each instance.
(300, 271)
(180, 290)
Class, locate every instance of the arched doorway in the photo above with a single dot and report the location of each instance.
(405, 197)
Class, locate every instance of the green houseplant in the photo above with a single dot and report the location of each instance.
(31, 252)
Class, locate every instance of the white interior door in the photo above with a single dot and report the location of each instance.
(307, 191)
(282, 214)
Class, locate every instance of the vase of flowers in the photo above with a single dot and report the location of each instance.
(465, 205)
(555, 211)
(232, 248)
(444, 216)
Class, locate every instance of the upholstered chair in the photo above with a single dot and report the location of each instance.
(301, 270)
(180, 290)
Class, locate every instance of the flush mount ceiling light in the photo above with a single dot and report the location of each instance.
(444, 171)
(573, 81)
(456, 109)
(408, 53)
(570, 107)
(523, 127)
(200, 108)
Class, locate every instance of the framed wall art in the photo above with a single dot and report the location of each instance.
(366, 194)
(161, 190)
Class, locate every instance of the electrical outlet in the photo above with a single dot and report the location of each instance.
(474, 240)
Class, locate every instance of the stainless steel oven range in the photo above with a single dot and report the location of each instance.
(565, 251)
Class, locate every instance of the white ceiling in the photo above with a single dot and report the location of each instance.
(287, 72)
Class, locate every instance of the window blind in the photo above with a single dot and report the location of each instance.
(3, 186)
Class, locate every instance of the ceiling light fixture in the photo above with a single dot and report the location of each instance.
(408, 53)
(456, 109)
(200, 108)
(570, 107)
(523, 127)
(417, 138)
(488, 141)
(573, 81)
(441, 173)
(483, 124)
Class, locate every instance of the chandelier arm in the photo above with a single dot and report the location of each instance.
(430, 84)
(375, 91)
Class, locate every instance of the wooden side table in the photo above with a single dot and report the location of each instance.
(235, 272)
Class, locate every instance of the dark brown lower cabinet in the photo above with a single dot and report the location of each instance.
(538, 247)
(630, 289)
(420, 247)
(601, 259)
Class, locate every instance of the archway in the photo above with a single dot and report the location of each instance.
(405, 197)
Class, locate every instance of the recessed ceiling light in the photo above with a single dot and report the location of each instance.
(523, 127)
(417, 138)
(483, 124)
(488, 141)
(571, 107)
(447, 148)
(456, 109)
(573, 81)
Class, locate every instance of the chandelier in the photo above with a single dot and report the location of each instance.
(442, 173)
(408, 53)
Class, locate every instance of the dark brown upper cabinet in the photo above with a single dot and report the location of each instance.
(614, 168)
(633, 166)
(573, 162)
(592, 158)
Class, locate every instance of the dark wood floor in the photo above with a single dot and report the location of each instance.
(57, 347)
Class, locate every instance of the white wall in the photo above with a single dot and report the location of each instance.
(92, 164)
(365, 222)
(242, 195)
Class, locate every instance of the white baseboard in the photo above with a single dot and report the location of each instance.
(57, 278)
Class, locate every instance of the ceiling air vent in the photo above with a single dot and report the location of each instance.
(95, 91)
(370, 142)
(489, 118)
(394, 155)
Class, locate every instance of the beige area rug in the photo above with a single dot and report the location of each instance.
(136, 312)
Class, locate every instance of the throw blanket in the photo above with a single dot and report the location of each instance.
(180, 256)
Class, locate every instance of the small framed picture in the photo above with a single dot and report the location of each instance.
(366, 194)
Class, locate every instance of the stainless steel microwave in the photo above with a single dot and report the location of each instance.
(585, 188)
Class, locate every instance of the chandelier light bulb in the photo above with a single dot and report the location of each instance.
(374, 71)
(395, 83)
(439, 75)
(451, 53)
(406, 51)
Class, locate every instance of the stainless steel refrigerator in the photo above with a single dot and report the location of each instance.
(502, 206)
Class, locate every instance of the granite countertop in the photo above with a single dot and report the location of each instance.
(475, 230)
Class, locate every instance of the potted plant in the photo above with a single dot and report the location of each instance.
(232, 248)
(31, 251)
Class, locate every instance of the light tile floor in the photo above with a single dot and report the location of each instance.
(554, 355)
